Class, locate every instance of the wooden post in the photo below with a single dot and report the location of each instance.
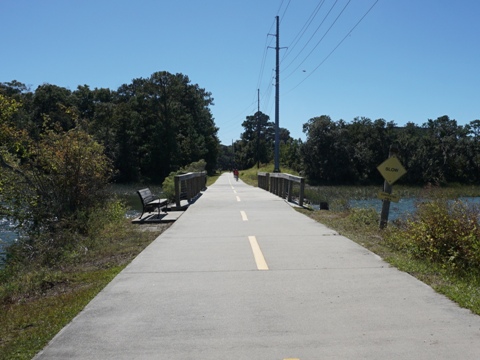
(177, 190)
(290, 190)
(302, 191)
(387, 188)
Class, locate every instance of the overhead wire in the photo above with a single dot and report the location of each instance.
(336, 47)
(265, 92)
(284, 11)
(314, 14)
(302, 31)
(264, 57)
(321, 39)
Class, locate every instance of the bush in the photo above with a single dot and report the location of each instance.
(52, 190)
(168, 185)
(364, 217)
(442, 231)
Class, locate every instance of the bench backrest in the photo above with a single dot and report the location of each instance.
(146, 196)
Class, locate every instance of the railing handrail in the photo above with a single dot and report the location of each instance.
(289, 177)
(281, 184)
(190, 175)
(193, 182)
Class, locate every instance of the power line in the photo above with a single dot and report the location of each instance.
(302, 31)
(321, 39)
(336, 47)
(284, 11)
(264, 57)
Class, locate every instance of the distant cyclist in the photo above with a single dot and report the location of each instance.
(235, 174)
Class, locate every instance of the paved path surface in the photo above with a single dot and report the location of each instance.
(241, 275)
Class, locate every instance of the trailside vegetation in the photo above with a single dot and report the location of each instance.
(439, 244)
(148, 127)
(438, 152)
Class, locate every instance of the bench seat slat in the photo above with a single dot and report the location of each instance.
(150, 201)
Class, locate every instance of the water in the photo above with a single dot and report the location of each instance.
(7, 236)
(127, 193)
(397, 210)
(403, 208)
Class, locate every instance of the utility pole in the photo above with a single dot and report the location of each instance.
(258, 129)
(277, 101)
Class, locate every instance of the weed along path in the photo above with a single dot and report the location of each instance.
(241, 275)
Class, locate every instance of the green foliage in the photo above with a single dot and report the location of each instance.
(148, 128)
(50, 187)
(36, 302)
(364, 217)
(399, 245)
(257, 142)
(442, 231)
(438, 152)
(250, 177)
(163, 123)
(168, 185)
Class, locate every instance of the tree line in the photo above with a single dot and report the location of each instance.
(148, 128)
(439, 151)
(153, 126)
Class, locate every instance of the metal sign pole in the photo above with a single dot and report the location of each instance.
(387, 188)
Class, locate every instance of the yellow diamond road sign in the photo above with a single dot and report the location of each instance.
(391, 169)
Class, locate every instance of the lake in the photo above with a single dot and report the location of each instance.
(7, 236)
(397, 210)
(125, 192)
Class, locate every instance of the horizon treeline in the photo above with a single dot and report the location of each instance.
(148, 127)
(153, 126)
(437, 152)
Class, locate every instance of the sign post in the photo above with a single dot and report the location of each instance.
(391, 170)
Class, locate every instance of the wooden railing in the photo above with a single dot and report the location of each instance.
(188, 186)
(282, 185)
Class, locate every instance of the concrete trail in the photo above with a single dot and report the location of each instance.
(241, 275)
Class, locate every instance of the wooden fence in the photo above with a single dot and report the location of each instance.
(283, 185)
(188, 186)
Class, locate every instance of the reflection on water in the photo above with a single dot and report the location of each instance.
(126, 193)
(397, 210)
(401, 209)
(7, 236)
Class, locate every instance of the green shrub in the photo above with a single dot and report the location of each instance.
(168, 185)
(52, 193)
(364, 216)
(442, 231)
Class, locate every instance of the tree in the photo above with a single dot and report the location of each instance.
(51, 101)
(173, 125)
(290, 154)
(257, 140)
(51, 184)
(326, 154)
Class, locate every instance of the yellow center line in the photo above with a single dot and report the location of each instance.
(257, 254)
(244, 215)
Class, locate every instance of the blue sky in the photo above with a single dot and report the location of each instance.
(406, 60)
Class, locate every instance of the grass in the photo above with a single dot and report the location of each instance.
(37, 303)
(249, 176)
(361, 226)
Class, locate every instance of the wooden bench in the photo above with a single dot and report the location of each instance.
(150, 201)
